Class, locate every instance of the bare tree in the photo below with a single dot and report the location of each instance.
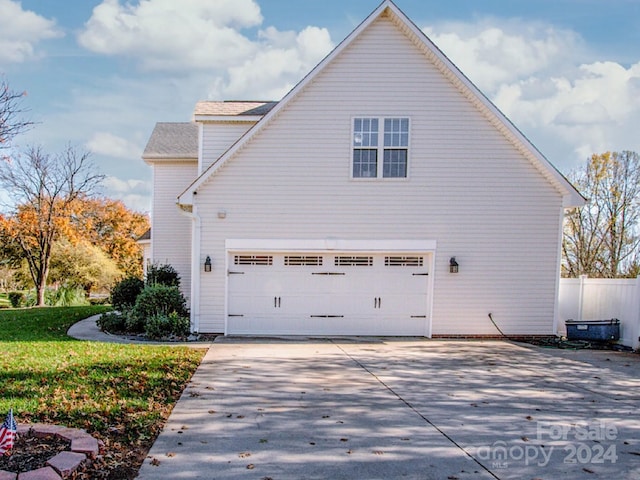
(43, 190)
(602, 238)
(11, 121)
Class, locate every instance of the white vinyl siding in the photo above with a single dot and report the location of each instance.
(469, 189)
(218, 137)
(170, 229)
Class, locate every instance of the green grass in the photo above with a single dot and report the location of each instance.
(120, 393)
(4, 300)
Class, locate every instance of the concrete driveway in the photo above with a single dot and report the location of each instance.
(406, 409)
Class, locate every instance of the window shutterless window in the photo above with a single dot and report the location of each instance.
(376, 139)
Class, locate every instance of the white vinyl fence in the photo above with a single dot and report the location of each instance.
(602, 299)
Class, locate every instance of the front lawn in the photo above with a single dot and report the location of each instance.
(121, 394)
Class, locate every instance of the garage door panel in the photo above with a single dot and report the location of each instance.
(327, 293)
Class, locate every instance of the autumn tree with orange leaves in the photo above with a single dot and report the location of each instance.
(110, 225)
(44, 192)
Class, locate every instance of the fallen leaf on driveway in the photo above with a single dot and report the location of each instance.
(244, 454)
(251, 466)
(155, 462)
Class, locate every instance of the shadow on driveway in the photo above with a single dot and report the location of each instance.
(407, 409)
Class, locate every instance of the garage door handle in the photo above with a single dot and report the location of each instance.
(420, 274)
(377, 302)
(326, 316)
(277, 301)
(235, 273)
(327, 273)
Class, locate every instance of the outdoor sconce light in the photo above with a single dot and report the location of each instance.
(453, 265)
(207, 264)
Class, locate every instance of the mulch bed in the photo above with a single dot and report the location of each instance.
(31, 453)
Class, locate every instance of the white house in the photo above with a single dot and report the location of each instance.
(340, 209)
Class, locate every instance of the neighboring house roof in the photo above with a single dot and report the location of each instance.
(172, 141)
(232, 108)
(571, 197)
(145, 237)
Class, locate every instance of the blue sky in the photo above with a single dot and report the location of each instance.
(100, 73)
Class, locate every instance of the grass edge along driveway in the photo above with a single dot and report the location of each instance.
(121, 394)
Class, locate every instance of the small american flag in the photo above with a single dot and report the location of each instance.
(7, 433)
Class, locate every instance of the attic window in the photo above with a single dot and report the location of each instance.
(380, 138)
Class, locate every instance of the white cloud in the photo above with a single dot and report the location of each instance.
(494, 51)
(282, 61)
(20, 32)
(136, 194)
(205, 37)
(105, 143)
(549, 84)
(166, 35)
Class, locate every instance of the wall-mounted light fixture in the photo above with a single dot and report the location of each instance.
(453, 265)
(207, 264)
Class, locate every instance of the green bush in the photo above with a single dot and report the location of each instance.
(112, 322)
(66, 296)
(125, 292)
(16, 299)
(162, 326)
(153, 301)
(162, 275)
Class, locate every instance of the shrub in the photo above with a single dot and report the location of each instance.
(112, 322)
(16, 299)
(162, 275)
(66, 296)
(153, 301)
(163, 326)
(125, 292)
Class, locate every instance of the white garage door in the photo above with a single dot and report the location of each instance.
(327, 293)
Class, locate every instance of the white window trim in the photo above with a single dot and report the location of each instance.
(380, 148)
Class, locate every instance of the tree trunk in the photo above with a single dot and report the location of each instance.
(40, 288)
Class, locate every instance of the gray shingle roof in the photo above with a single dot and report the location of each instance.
(173, 140)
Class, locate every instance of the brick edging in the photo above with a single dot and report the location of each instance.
(83, 448)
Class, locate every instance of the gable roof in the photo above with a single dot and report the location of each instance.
(172, 141)
(571, 197)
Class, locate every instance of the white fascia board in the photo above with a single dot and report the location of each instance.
(328, 244)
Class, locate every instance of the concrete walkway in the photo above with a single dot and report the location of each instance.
(417, 409)
(87, 329)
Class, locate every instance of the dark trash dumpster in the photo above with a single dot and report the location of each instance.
(597, 330)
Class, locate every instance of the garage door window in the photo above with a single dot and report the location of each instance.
(253, 260)
(351, 261)
(302, 260)
(404, 261)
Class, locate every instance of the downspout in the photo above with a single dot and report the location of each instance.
(195, 269)
(556, 305)
(194, 300)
